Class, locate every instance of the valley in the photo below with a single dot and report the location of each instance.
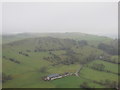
(26, 59)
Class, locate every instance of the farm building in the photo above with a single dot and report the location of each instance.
(55, 76)
(52, 77)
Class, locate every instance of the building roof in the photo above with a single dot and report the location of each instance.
(53, 75)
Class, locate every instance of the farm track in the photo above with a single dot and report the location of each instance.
(78, 71)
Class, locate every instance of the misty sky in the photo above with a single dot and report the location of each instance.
(86, 17)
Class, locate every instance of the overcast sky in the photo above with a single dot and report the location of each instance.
(86, 17)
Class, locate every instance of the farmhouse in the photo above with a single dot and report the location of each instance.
(52, 77)
(55, 76)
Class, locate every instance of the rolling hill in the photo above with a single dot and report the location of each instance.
(74, 36)
(28, 58)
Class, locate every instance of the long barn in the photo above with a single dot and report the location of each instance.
(55, 76)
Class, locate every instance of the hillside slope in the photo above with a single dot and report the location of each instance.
(75, 36)
(27, 61)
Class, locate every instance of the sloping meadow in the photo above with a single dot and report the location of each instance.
(27, 61)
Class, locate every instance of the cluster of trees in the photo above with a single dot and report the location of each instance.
(115, 60)
(39, 50)
(84, 85)
(56, 57)
(53, 58)
(111, 59)
(99, 67)
(110, 84)
(25, 54)
(102, 68)
(71, 57)
(68, 61)
(83, 43)
(52, 44)
(110, 49)
(51, 49)
(14, 60)
(49, 58)
(107, 83)
(6, 77)
(88, 59)
(11, 59)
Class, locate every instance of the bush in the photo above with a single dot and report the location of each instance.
(6, 77)
(99, 67)
(83, 43)
(43, 70)
(84, 85)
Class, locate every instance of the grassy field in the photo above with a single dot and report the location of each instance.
(108, 66)
(63, 55)
(98, 75)
(73, 82)
(28, 73)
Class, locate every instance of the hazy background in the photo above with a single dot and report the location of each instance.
(99, 18)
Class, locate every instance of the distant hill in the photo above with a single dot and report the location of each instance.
(75, 36)
(44, 43)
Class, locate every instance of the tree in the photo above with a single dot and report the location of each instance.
(71, 57)
(83, 43)
(6, 77)
(88, 58)
(43, 69)
(109, 48)
(99, 67)
(84, 85)
(114, 84)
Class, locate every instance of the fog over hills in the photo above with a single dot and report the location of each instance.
(114, 35)
(92, 18)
